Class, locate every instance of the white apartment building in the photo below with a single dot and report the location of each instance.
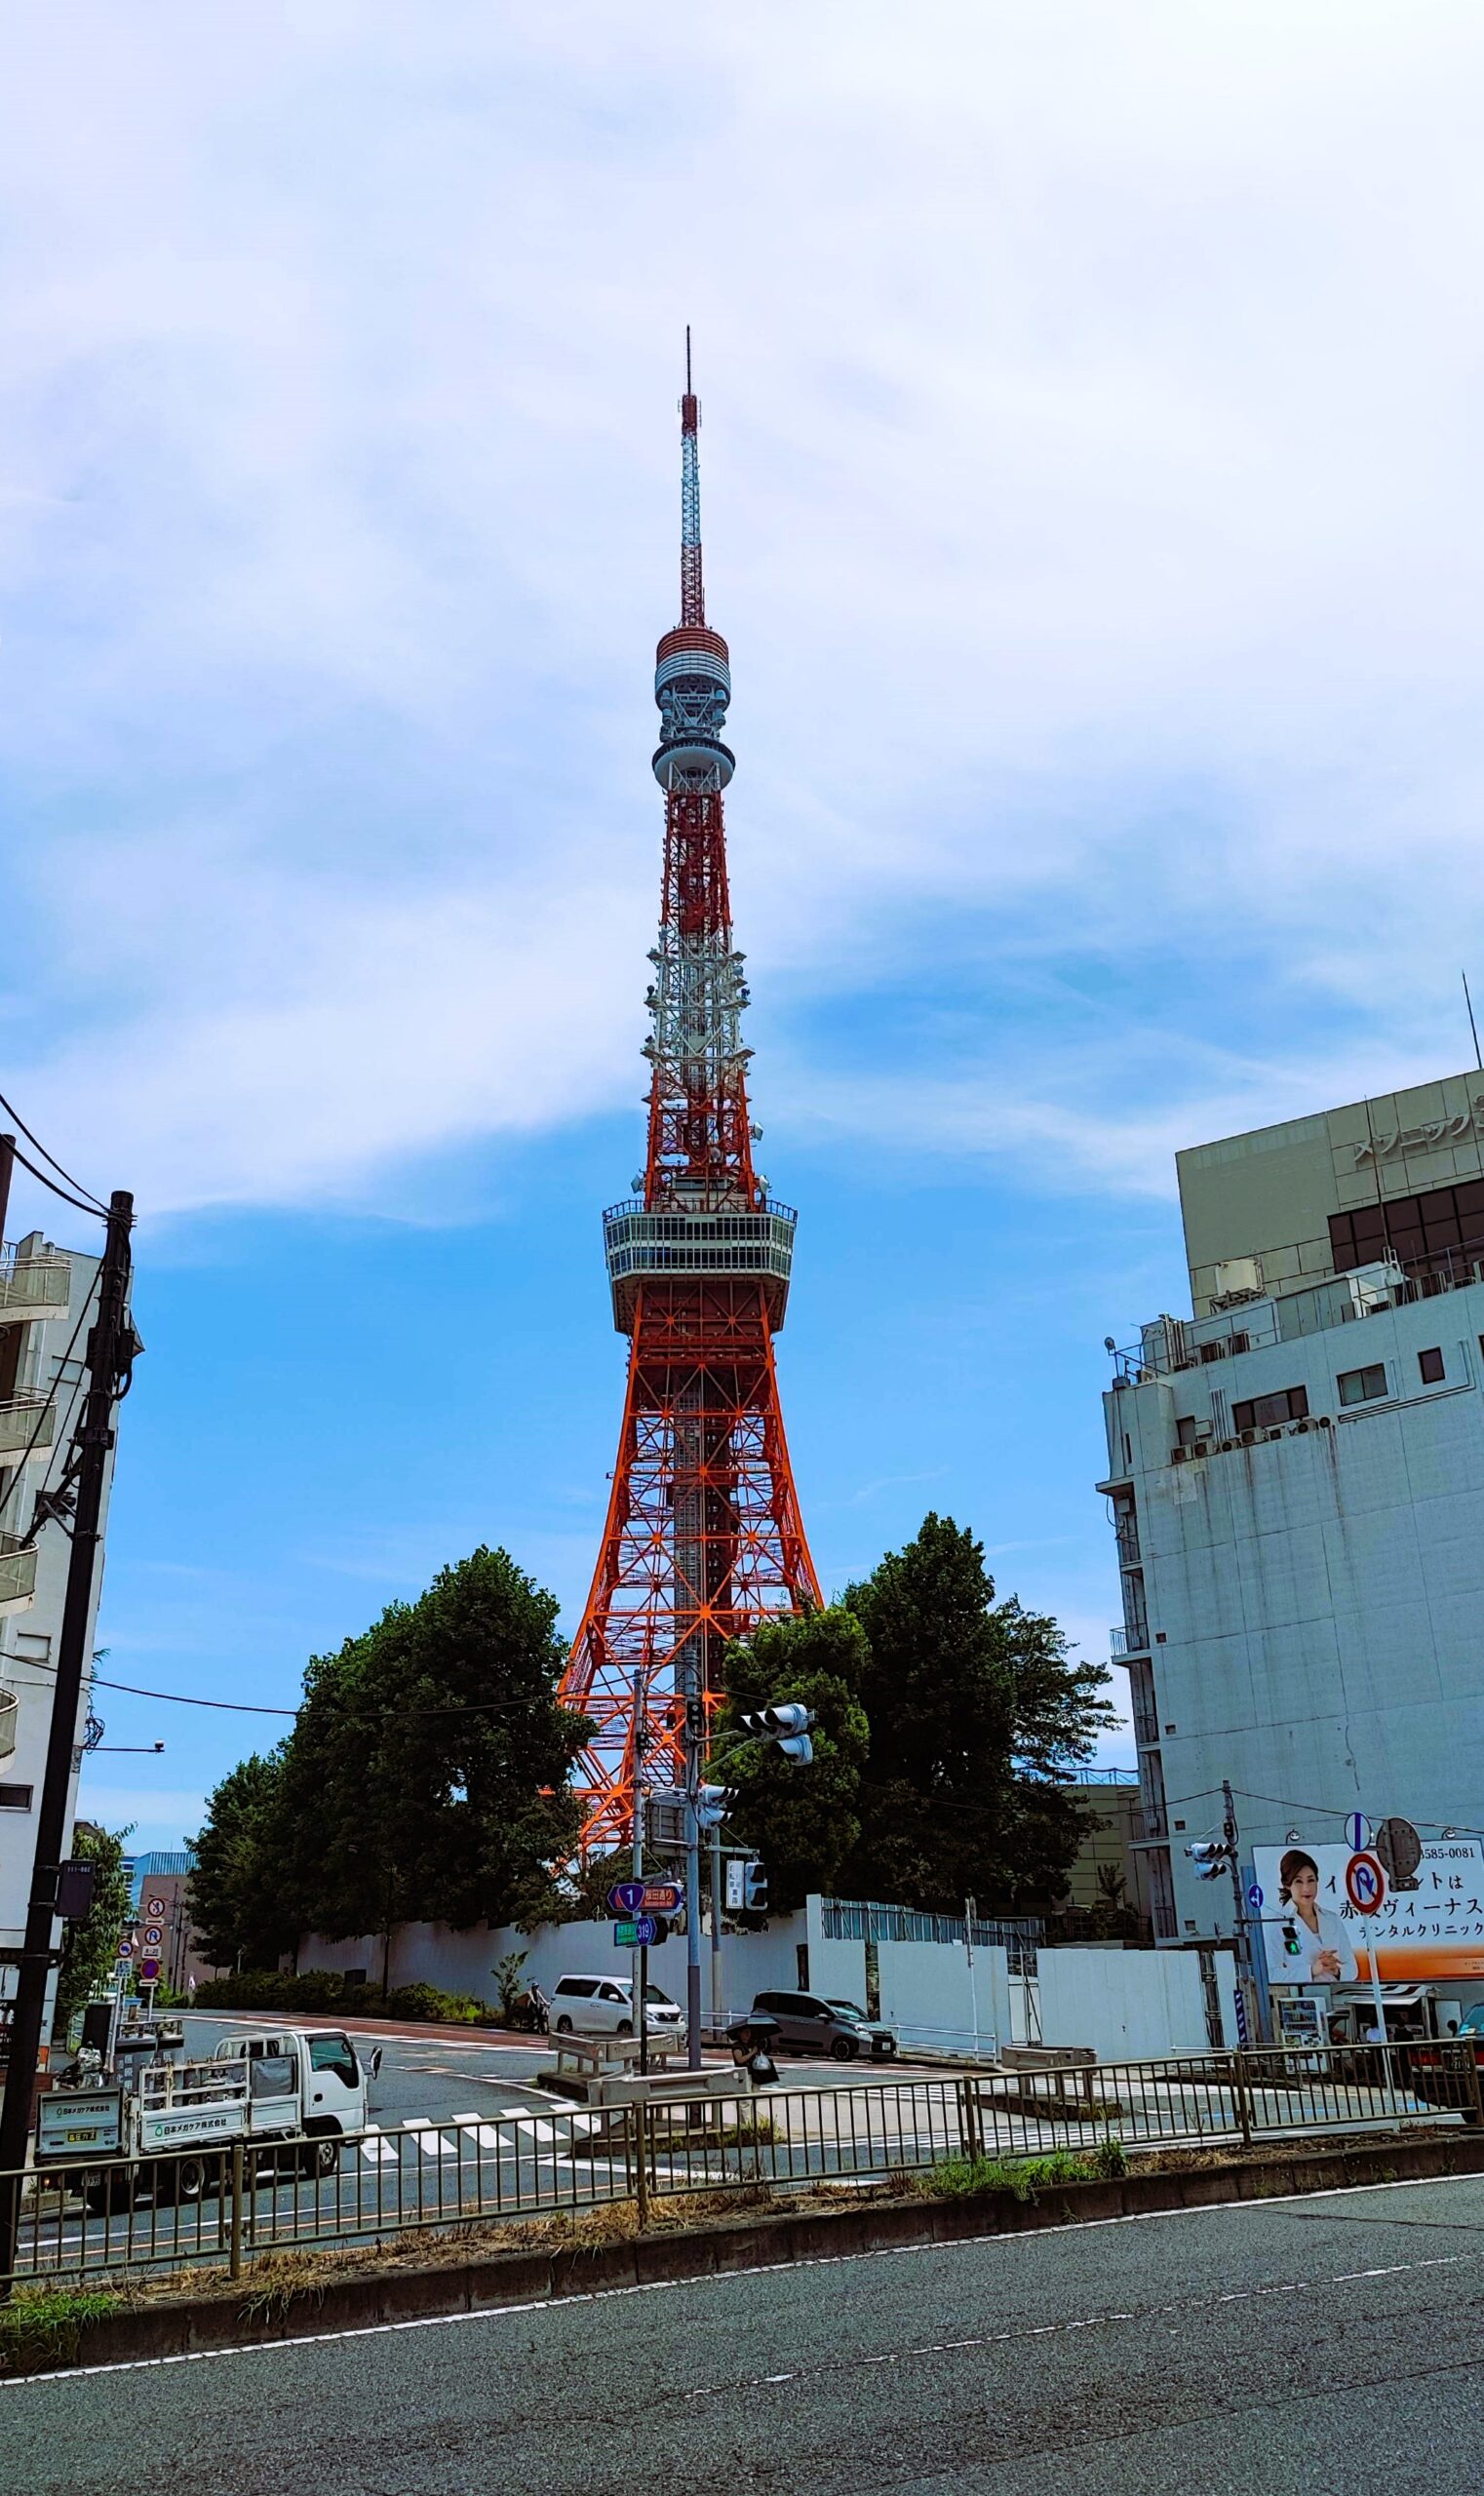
(1296, 1475)
(48, 1299)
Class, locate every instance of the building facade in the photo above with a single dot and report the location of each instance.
(1296, 1480)
(44, 1298)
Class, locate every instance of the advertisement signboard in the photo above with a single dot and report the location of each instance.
(1428, 1927)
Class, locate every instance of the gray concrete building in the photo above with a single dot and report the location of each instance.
(44, 1298)
(1296, 1479)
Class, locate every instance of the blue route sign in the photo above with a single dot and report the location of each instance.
(635, 1933)
(626, 1897)
(1357, 1832)
(1254, 1894)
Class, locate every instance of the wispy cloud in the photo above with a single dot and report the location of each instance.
(1090, 501)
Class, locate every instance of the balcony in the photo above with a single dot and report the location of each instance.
(10, 1710)
(34, 1287)
(28, 1427)
(17, 1574)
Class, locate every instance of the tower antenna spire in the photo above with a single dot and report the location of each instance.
(693, 590)
(703, 1541)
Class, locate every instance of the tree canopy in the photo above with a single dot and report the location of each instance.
(425, 1778)
(90, 1946)
(804, 1822)
(976, 1712)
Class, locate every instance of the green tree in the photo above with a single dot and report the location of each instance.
(90, 1946)
(976, 1710)
(426, 1776)
(241, 1901)
(802, 1822)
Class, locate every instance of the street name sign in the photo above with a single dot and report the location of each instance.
(635, 1933)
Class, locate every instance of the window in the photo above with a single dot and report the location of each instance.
(1431, 1366)
(584, 1986)
(15, 1798)
(1358, 1385)
(1444, 1226)
(337, 2054)
(1268, 1412)
(1193, 1431)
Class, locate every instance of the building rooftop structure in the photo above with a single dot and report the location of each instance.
(1296, 1475)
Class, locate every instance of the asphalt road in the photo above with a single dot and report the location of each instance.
(1328, 2346)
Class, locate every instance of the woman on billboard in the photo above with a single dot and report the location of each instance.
(1324, 1955)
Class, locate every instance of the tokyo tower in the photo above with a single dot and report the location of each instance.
(703, 1538)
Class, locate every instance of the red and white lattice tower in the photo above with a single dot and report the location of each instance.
(703, 1539)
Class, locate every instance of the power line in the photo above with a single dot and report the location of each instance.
(62, 1193)
(244, 1707)
(93, 1204)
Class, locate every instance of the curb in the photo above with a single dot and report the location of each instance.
(182, 2326)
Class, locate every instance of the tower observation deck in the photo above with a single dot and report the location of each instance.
(703, 1539)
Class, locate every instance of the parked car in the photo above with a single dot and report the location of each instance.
(1437, 2071)
(809, 2023)
(603, 2006)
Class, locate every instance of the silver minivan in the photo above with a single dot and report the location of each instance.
(603, 2006)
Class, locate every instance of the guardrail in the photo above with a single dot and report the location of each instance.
(226, 2206)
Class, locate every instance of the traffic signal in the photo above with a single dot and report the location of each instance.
(1291, 1939)
(755, 1887)
(787, 1725)
(712, 1804)
(1210, 1857)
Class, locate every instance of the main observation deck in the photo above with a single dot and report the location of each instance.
(683, 1247)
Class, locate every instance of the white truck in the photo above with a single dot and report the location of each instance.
(290, 2094)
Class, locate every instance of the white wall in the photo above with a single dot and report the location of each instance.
(1125, 2004)
(928, 1998)
(925, 1985)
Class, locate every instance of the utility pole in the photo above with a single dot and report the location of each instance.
(7, 1165)
(1242, 1928)
(695, 1737)
(717, 2004)
(110, 1348)
(640, 1986)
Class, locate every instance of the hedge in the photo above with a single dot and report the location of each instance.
(325, 1989)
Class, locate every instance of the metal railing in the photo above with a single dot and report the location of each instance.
(27, 1426)
(33, 1286)
(229, 2205)
(17, 1573)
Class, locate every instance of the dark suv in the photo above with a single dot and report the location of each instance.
(810, 2024)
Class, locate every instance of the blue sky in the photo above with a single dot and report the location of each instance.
(1090, 490)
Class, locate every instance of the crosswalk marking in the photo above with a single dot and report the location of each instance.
(452, 2134)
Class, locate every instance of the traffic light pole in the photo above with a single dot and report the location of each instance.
(640, 1960)
(717, 2004)
(695, 1737)
(108, 1357)
(1243, 1927)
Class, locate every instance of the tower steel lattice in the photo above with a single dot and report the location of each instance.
(703, 1538)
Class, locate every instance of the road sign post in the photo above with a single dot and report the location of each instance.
(636, 1933)
(1365, 1886)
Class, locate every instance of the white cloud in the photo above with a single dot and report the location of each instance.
(1090, 477)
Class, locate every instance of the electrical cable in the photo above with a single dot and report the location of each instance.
(245, 1707)
(90, 1211)
(95, 1205)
